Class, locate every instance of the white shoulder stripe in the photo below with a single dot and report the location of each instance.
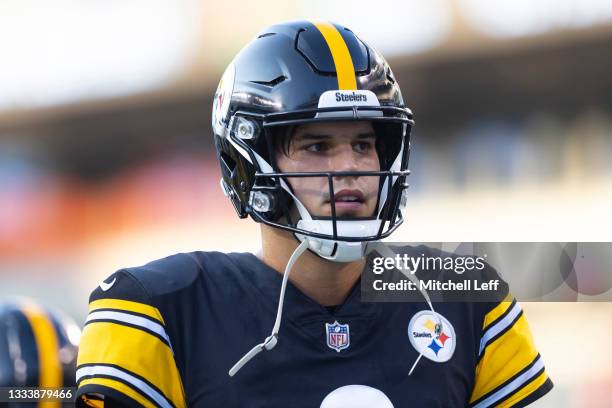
(512, 385)
(499, 327)
(137, 383)
(130, 319)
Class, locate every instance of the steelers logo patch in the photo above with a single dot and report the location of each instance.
(432, 335)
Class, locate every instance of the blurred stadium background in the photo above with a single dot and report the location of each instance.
(106, 155)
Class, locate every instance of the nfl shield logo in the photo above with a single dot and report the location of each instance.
(338, 336)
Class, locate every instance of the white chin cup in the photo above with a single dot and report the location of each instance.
(338, 251)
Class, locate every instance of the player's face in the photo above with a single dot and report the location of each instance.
(333, 146)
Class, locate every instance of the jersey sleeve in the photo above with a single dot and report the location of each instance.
(125, 354)
(510, 371)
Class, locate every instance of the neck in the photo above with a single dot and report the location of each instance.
(326, 282)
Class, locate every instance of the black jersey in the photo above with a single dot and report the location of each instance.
(166, 334)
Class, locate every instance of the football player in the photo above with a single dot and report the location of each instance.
(312, 136)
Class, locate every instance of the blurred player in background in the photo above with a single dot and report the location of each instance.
(313, 138)
(38, 348)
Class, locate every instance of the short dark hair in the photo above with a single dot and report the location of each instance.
(282, 138)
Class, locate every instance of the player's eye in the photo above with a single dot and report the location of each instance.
(315, 147)
(363, 146)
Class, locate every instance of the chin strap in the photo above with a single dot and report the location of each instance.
(270, 342)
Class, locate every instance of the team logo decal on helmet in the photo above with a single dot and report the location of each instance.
(222, 98)
(299, 73)
(432, 335)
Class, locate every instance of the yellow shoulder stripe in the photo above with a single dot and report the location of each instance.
(496, 312)
(121, 387)
(137, 352)
(525, 391)
(127, 305)
(50, 368)
(504, 357)
(340, 54)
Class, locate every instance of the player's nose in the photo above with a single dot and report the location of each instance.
(345, 159)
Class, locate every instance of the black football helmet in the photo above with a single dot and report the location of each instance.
(38, 347)
(297, 73)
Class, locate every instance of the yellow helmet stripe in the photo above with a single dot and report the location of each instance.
(340, 54)
(50, 367)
